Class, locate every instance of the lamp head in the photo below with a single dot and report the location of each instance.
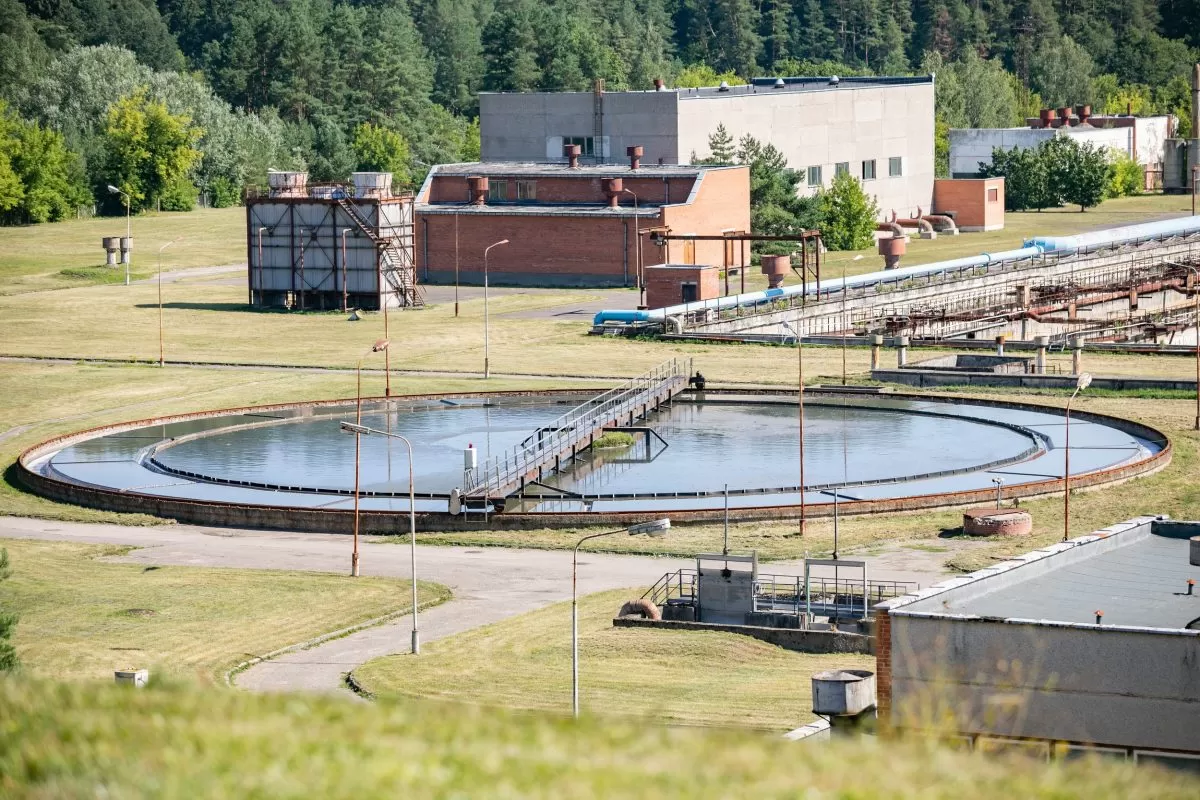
(1084, 381)
(656, 528)
(114, 190)
(350, 427)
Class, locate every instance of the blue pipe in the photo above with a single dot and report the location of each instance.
(1032, 248)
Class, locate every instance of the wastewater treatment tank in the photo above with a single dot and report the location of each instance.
(292, 467)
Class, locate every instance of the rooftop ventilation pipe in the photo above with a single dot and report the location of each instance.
(634, 151)
(724, 87)
(779, 84)
(1084, 112)
(1064, 116)
(571, 151)
(612, 190)
(1196, 102)
(834, 80)
(478, 186)
(658, 84)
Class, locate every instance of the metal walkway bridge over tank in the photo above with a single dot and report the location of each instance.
(548, 447)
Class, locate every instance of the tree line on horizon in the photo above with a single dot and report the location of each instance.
(176, 99)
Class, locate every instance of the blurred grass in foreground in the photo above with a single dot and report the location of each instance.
(66, 741)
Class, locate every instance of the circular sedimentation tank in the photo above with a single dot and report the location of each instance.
(293, 467)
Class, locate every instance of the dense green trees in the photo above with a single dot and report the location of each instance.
(848, 214)
(40, 179)
(286, 83)
(1059, 171)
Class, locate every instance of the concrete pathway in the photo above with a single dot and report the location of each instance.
(489, 584)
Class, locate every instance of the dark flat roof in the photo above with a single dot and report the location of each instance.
(1136, 575)
(551, 169)
(767, 86)
(539, 210)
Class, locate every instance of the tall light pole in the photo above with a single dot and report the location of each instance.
(1082, 382)
(363, 430)
(161, 349)
(637, 245)
(128, 228)
(486, 368)
(1196, 294)
(381, 344)
(658, 527)
(800, 405)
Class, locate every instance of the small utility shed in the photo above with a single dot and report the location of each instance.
(1087, 645)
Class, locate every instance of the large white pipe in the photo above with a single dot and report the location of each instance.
(1057, 245)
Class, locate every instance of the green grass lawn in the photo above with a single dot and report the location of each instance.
(72, 741)
(675, 677)
(82, 616)
(32, 257)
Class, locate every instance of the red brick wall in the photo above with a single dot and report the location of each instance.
(968, 198)
(571, 247)
(664, 287)
(723, 203)
(883, 664)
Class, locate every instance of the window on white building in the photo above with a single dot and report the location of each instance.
(895, 167)
(814, 176)
(868, 172)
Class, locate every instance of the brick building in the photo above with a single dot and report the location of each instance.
(571, 225)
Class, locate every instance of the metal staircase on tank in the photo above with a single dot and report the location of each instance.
(395, 266)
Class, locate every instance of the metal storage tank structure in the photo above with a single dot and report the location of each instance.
(328, 246)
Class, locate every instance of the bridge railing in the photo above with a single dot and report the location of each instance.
(507, 468)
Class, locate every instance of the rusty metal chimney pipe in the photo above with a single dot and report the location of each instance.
(477, 185)
(634, 151)
(1196, 101)
(571, 151)
(612, 189)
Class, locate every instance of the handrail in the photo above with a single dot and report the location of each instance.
(784, 591)
(508, 467)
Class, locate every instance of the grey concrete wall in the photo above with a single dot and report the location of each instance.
(928, 379)
(530, 126)
(725, 598)
(971, 146)
(1080, 684)
(823, 128)
(794, 639)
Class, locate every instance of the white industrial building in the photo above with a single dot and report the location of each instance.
(880, 130)
(1143, 138)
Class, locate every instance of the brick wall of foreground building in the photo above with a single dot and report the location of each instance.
(568, 236)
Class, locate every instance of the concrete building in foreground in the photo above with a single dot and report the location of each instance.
(880, 130)
(572, 225)
(1088, 646)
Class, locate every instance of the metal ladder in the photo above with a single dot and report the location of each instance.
(397, 270)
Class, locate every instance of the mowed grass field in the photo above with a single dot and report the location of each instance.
(33, 256)
(672, 677)
(71, 741)
(82, 614)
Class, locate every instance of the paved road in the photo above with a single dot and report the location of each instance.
(489, 584)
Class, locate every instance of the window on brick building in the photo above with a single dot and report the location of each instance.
(895, 167)
(497, 191)
(587, 144)
(526, 191)
(814, 176)
(868, 172)
(841, 168)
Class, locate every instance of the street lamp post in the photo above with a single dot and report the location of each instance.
(363, 430)
(800, 405)
(1082, 382)
(486, 368)
(1196, 294)
(658, 527)
(128, 228)
(381, 344)
(161, 348)
(637, 245)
